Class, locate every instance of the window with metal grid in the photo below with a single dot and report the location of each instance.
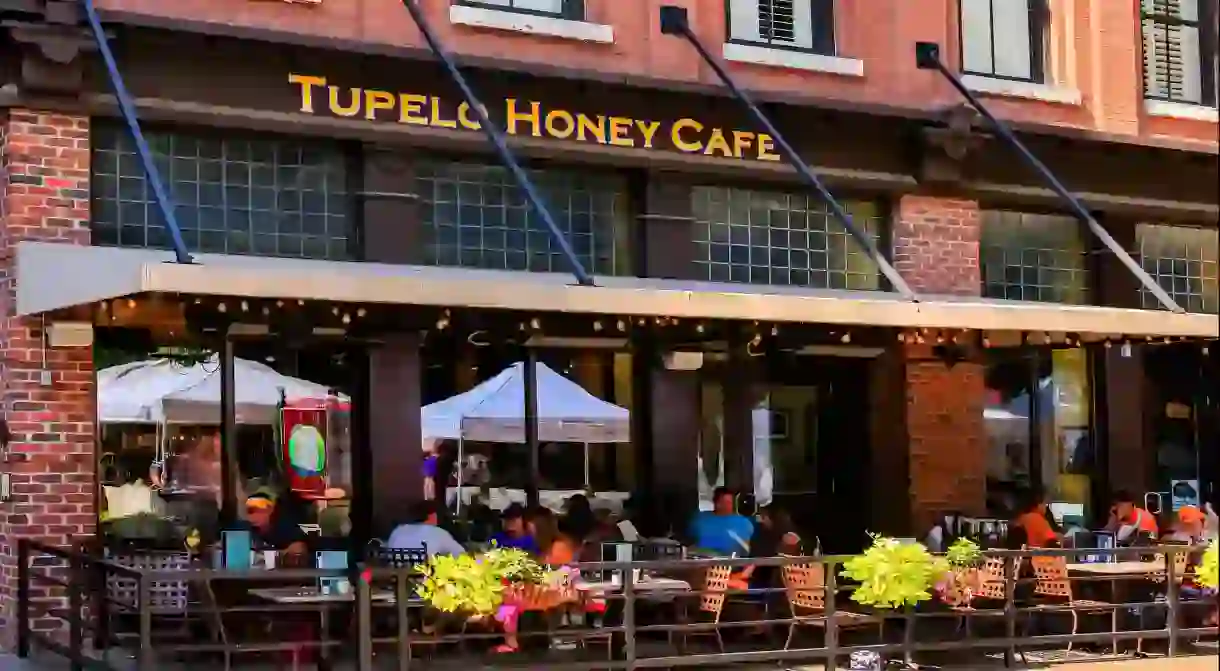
(232, 194)
(1004, 39)
(1034, 257)
(1185, 261)
(478, 217)
(568, 9)
(1180, 51)
(803, 25)
(762, 237)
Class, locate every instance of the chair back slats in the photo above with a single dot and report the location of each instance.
(805, 585)
(715, 585)
(401, 557)
(165, 597)
(1051, 578)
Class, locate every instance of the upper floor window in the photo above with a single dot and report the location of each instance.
(566, 9)
(1180, 54)
(1004, 39)
(807, 25)
(233, 194)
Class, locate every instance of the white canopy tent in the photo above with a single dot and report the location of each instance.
(164, 391)
(494, 412)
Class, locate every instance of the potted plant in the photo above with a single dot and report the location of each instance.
(959, 584)
(1206, 575)
(478, 586)
(895, 575)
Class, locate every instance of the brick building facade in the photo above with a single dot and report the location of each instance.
(951, 222)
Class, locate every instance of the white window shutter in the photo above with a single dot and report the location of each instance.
(1172, 58)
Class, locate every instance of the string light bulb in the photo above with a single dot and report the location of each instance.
(361, 312)
(774, 331)
(245, 307)
(597, 327)
(131, 303)
(221, 307)
(621, 326)
(347, 319)
(846, 338)
(699, 328)
(536, 323)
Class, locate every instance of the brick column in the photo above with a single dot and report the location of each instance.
(52, 459)
(936, 249)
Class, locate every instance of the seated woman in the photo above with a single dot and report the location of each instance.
(774, 535)
(554, 549)
(1033, 523)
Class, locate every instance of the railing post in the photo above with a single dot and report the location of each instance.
(629, 617)
(831, 581)
(76, 603)
(1010, 611)
(101, 607)
(145, 658)
(23, 598)
(401, 595)
(364, 624)
(1172, 597)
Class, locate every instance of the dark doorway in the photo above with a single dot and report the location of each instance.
(821, 453)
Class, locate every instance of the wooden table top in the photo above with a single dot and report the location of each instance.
(1133, 568)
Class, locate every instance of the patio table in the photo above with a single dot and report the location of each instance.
(645, 584)
(308, 596)
(1119, 569)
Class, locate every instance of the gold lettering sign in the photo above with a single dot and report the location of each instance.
(532, 119)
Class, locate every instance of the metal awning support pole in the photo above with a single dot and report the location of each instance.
(927, 57)
(674, 22)
(128, 110)
(497, 138)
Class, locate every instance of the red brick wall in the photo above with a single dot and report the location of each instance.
(936, 245)
(936, 249)
(45, 191)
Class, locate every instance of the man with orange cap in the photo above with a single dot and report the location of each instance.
(1188, 527)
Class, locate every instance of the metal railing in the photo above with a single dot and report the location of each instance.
(69, 605)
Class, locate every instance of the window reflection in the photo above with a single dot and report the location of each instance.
(1039, 430)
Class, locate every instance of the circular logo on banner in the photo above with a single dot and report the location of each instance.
(307, 450)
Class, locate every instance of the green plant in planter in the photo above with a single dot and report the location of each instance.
(1207, 572)
(474, 585)
(963, 554)
(894, 575)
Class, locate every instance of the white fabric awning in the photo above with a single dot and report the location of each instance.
(165, 391)
(101, 273)
(494, 412)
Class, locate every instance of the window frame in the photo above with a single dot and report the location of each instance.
(1209, 51)
(573, 10)
(823, 32)
(1039, 28)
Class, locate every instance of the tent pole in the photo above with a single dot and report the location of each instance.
(460, 469)
(531, 425)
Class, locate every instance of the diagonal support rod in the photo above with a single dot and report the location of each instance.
(128, 109)
(927, 57)
(674, 22)
(497, 138)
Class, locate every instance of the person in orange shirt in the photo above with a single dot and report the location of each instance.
(1033, 521)
(1128, 520)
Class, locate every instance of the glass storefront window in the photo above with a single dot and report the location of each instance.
(764, 237)
(477, 217)
(1038, 421)
(1033, 257)
(265, 196)
(1185, 261)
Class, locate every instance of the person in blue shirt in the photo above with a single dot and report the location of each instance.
(722, 530)
(515, 534)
